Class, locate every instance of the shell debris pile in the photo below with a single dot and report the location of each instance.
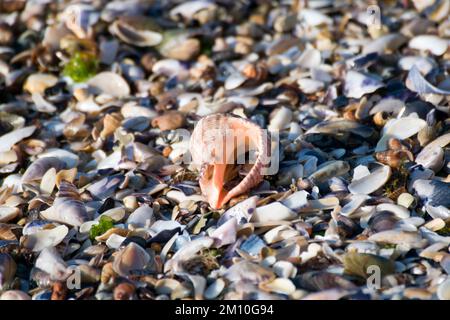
(102, 105)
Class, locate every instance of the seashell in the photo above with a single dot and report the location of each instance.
(398, 237)
(117, 231)
(443, 291)
(166, 286)
(44, 238)
(117, 214)
(79, 18)
(7, 141)
(358, 84)
(179, 46)
(114, 241)
(279, 285)
(435, 224)
(401, 129)
(241, 211)
(39, 167)
(314, 18)
(399, 211)
(284, 269)
(169, 121)
(38, 82)
(389, 42)
(433, 192)
(51, 262)
(8, 269)
(109, 83)
(138, 31)
(14, 295)
(215, 166)
(41, 104)
(130, 259)
(357, 200)
(361, 264)
(310, 58)
(372, 182)
(189, 9)
(214, 289)
(341, 126)
(142, 217)
(279, 233)
(280, 119)
(187, 251)
(328, 170)
(309, 86)
(417, 83)
(8, 213)
(226, 233)
(431, 152)
(424, 64)
(382, 220)
(431, 43)
(296, 201)
(274, 211)
(67, 207)
(320, 281)
(394, 158)
(124, 291)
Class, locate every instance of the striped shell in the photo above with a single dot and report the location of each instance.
(212, 131)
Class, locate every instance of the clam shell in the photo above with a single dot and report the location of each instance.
(372, 182)
(141, 217)
(401, 128)
(279, 285)
(431, 43)
(44, 238)
(214, 289)
(8, 269)
(14, 295)
(50, 261)
(129, 259)
(443, 291)
(7, 141)
(274, 211)
(143, 37)
(8, 213)
(109, 83)
(358, 84)
(359, 264)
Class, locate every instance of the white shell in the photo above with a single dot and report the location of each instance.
(434, 44)
(45, 238)
(357, 201)
(279, 285)
(8, 213)
(274, 211)
(284, 269)
(225, 234)
(114, 241)
(296, 201)
(214, 289)
(70, 159)
(280, 233)
(109, 83)
(358, 84)
(241, 211)
(7, 141)
(51, 262)
(401, 128)
(443, 291)
(372, 182)
(141, 217)
(280, 120)
(399, 211)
